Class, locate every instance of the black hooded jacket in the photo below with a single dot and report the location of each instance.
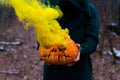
(82, 20)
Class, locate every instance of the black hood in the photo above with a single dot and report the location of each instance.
(81, 5)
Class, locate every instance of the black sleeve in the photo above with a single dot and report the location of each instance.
(91, 34)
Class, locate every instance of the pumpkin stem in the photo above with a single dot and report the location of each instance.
(62, 47)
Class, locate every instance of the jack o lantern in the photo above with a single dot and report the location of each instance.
(57, 55)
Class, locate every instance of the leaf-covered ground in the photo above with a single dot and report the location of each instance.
(21, 62)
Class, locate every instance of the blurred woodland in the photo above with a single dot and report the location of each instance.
(19, 59)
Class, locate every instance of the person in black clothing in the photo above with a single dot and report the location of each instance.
(82, 20)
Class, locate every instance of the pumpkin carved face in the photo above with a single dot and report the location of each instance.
(55, 55)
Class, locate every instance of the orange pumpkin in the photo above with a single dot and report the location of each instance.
(54, 55)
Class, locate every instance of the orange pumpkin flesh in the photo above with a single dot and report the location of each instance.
(54, 55)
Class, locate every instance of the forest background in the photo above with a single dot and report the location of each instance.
(20, 61)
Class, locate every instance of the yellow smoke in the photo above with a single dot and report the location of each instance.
(42, 18)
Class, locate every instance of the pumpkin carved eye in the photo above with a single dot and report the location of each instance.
(59, 55)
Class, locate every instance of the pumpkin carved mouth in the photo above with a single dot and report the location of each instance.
(59, 55)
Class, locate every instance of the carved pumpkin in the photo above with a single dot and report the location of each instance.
(54, 55)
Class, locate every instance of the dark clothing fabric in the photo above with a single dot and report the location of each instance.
(82, 20)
